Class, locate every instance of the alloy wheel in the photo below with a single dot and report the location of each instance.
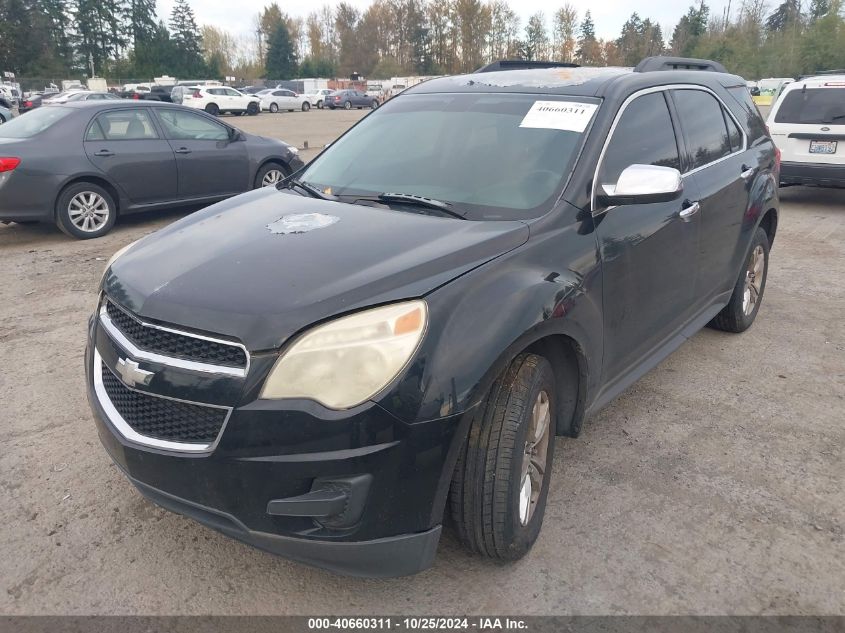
(272, 178)
(534, 457)
(88, 211)
(753, 280)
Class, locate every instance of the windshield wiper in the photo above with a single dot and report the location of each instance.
(420, 201)
(310, 189)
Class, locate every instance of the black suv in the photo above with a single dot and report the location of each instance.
(329, 368)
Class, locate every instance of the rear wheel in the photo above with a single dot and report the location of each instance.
(347, 105)
(252, 109)
(747, 296)
(274, 107)
(85, 210)
(212, 109)
(501, 481)
(306, 106)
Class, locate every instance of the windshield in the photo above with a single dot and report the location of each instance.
(813, 106)
(478, 152)
(33, 122)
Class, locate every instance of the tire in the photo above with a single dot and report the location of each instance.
(274, 108)
(485, 499)
(320, 105)
(253, 109)
(212, 109)
(374, 104)
(306, 106)
(747, 296)
(2, 119)
(85, 197)
(267, 170)
(347, 105)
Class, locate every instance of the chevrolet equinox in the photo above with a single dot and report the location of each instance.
(331, 368)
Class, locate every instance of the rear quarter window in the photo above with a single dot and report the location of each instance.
(743, 106)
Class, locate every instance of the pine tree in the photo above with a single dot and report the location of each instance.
(589, 50)
(187, 40)
(281, 58)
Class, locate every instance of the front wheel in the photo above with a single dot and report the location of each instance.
(306, 106)
(501, 481)
(252, 109)
(347, 105)
(747, 296)
(85, 210)
(269, 175)
(319, 105)
(374, 104)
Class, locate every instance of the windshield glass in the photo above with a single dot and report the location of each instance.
(33, 122)
(813, 106)
(474, 151)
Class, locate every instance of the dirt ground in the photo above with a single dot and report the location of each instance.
(713, 486)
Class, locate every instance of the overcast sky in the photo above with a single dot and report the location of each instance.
(238, 17)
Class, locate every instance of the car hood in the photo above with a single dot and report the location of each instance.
(232, 270)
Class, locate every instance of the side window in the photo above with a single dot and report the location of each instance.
(279, 93)
(124, 125)
(189, 126)
(232, 93)
(704, 126)
(95, 132)
(734, 134)
(643, 136)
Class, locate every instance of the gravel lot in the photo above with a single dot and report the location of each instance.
(714, 485)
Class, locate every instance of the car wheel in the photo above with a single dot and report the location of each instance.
(274, 108)
(252, 109)
(374, 104)
(85, 210)
(501, 481)
(319, 105)
(306, 106)
(2, 119)
(212, 109)
(747, 296)
(347, 105)
(270, 175)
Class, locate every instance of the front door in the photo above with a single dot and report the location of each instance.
(126, 146)
(209, 162)
(649, 252)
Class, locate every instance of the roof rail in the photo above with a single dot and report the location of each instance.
(521, 64)
(822, 73)
(651, 64)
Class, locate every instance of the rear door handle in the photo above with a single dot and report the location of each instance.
(183, 150)
(104, 152)
(688, 212)
(747, 172)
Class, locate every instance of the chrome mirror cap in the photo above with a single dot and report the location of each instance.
(640, 184)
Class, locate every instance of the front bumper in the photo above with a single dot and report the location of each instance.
(821, 174)
(256, 485)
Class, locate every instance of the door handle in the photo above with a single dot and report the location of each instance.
(747, 172)
(104, 152)
(183, 150)
(689, 211)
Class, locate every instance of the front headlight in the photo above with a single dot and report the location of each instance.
(347, 361)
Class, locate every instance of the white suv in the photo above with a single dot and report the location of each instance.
(807, 124)
(218, 99)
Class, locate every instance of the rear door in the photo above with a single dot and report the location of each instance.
(209, 162)
(126, 145)
(649, 252)
(808, 125)
(723, 172)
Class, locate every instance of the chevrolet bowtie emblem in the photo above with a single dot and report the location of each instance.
(132, 374)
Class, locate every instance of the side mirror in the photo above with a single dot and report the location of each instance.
(643, 184)
(235, 135)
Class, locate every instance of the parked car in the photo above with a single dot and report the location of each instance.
(5, 115)
(92, 96)
(111, 158)
(348, 99)
(59, 97)
(808, 125)
(276, 100)
(517, 261)
(219, 99)
(252, 90)
(317, 97)
(9, 96)
(177, 93)
(148, 93)
(34, 101)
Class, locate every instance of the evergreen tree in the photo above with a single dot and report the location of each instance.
(186, 41)
(589, 51)
(281, 57)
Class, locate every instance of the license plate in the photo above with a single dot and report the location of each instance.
(823, 147)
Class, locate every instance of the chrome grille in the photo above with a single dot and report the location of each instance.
(166, 342)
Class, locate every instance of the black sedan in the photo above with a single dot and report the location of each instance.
(348, 99)
(35, 101)
(109, 158)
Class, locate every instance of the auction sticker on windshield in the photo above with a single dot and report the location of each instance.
(559, 115)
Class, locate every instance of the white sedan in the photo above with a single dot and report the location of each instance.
(218, 99)
(281, 99)
(317, 97)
